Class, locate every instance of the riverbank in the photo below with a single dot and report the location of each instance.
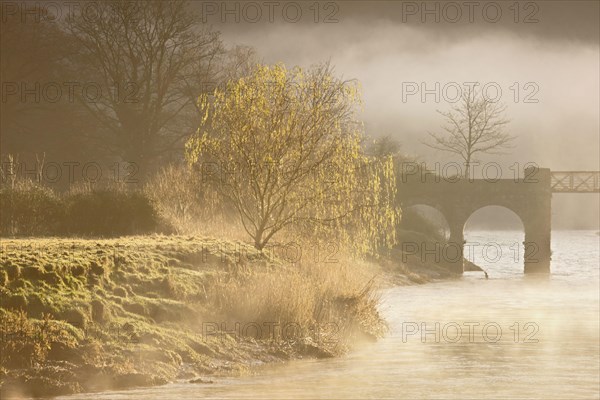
(143, 311)
(90, 315)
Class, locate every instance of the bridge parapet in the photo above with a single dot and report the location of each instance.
(476, 193)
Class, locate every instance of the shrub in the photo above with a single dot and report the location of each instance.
(108, 212)
(30, 209)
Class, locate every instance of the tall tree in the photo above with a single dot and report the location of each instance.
(475, 126)
(150, 60)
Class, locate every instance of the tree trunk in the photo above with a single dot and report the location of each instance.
(258, 242)
(467, 174)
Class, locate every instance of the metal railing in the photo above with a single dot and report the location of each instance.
(575, 181)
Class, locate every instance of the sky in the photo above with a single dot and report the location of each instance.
(541, 59)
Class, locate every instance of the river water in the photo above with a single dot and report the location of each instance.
(509, 336)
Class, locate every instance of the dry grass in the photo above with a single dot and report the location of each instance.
(328, 303)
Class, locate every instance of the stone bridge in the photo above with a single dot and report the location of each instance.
(528, 197)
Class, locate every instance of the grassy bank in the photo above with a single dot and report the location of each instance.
(87, 315)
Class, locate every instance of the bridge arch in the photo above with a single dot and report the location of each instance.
(501, 251)
(424, 201)
(513, 219)
(436, 223)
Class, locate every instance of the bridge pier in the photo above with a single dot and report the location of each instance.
(537, 253)
(537, 246)
(453, 257)
(528, 197)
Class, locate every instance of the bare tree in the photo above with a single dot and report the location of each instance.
(237, 62)
(150, 60)
(475, 125)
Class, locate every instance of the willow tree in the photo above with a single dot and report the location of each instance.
(282, 146)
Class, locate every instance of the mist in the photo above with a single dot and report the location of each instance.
(546, 71)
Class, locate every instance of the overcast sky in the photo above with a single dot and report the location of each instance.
(549, 58)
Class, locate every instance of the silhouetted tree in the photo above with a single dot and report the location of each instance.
(151, 59)
(475, 125)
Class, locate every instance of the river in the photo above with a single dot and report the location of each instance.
(509, 336)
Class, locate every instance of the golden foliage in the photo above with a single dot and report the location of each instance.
(283, 148)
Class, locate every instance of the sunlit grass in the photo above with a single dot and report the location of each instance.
(134, 310)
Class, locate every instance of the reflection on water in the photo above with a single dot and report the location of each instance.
(507, 337)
